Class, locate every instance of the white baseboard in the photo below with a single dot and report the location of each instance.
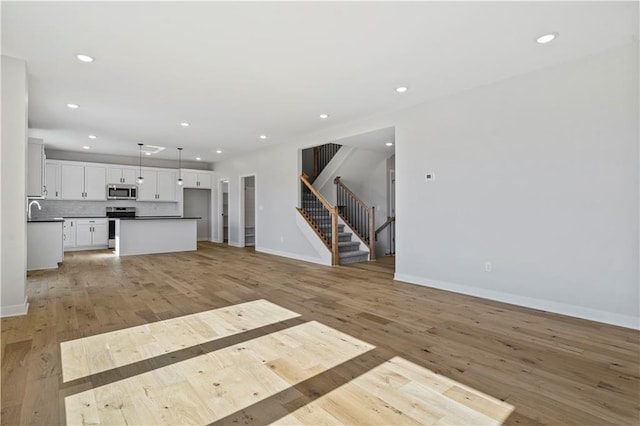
(606, 317)
(14, 310)
(295, 256)
(234, 244)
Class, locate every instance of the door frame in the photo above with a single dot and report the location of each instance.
(219, 225)
(241, 208)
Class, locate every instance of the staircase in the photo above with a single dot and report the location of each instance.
(320, 219)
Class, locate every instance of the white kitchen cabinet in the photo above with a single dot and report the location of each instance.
(158, 186)
(84, 234)
(69, 233)
(91, 233)
(100, 235)
(95, 183)
(167, 183)
(196, 179)
(82, 182)
(35, 170)
(116, 175)
(71, 182)
(52, 181)
(148, 190)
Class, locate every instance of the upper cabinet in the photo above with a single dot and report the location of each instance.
(35, 170)
(82, 182)
(196, 179)
(124, 175)
(158, 185)
(52, 181)
(79, 181)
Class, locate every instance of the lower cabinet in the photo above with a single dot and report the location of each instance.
(83, 234)
(69, 233)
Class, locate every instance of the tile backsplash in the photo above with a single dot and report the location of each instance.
(59, 208)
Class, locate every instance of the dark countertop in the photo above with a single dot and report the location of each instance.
(157, 217)
(51, 219)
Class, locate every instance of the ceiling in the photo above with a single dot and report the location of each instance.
(237, 70)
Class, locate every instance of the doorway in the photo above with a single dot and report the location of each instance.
(223, 207)
(391, 229)
(197, 203)
(248, 210)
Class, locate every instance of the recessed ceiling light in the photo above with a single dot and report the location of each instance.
(185, 124)
(218, 152)
(147, 153)
(86, 147)
(92, 136)
(546, 38)
(263, 136)
(198, 158)
(84, 58)
(389, 144)
(73, 106)
(225, 181)
(323, 116)
(401, 89)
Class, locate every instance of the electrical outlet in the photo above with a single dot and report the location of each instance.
(487, 266)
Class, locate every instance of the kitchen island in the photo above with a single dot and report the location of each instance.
(44, 243)
(155, 234)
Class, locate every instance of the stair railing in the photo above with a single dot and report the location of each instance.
(390, 224)
(359, 216)
(322, 155)
(324, 224)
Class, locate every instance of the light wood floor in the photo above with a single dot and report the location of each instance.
(312, 345)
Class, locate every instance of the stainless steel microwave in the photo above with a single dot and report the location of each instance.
(122, 192)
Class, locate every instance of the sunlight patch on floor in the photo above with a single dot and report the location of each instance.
(260, 373)
(103, 352)
(399, 392)
(209, 387)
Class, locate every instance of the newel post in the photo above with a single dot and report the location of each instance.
(335, 257)
(372, 233)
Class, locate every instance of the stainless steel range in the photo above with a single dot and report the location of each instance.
(114, 213)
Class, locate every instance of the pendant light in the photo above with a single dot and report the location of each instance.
(180, 166)
(140, 178)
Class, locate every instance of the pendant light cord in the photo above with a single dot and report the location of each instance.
(140, 165)
(179, 166)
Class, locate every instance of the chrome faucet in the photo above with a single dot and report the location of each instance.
(29, 208)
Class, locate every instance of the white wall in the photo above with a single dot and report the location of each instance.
(277, 184)
(537, 175)
(13, 188)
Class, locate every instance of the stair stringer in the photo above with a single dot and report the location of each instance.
(355, 237)
(324, 254)
(328, 173)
